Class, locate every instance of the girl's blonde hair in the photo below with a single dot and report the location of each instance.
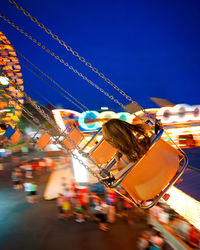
(131, 140)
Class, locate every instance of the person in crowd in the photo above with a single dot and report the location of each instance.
(1, 166)
(156, 211)
(17, 179)
(66, 207)
(119, 205)
(72, 199)
(85, 203)
(53, 165)
(29, 170)
(27, 189)
(102, 210)
(110, 201)
(34, 192)
(149, 231)
(48, 162)
(193, 237)
(60, 201)
(183, 227)
(127, 211)
(79, 212)
(93, 205)
(41, 165)
(132, 141)
(156, 240)
(143, 241)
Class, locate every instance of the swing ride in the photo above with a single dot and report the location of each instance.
(143, 182)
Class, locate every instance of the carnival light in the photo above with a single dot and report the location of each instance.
(4, 80)
(10, 70)
(80, 172)
(185, 205)
(57, 113)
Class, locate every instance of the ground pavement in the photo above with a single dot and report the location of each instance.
(25, 226)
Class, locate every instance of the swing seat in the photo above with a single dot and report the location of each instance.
(150, 178)
(44, 140)
(102, 152)
(76, 136)
(16, 137)
(153, 172)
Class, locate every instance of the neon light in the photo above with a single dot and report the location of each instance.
(89, 116)
(107, 115)
(178, 114)
(58, 118)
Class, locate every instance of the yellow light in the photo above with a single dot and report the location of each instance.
(185, 205)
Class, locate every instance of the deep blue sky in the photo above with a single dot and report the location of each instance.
(147, 48)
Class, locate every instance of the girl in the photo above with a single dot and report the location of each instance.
(132, 141)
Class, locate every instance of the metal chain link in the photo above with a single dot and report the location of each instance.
(52, 87)
(63, 62)
(37, 107)
(66, 136)
(85, 108)
(75, 53)
(60, 142)
(35, 125)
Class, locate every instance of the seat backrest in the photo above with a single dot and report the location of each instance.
(102, 152)
(76, 136)
(44, 140)
(16, 137)
(153, 172)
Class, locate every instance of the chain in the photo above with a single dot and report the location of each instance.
(63, 62)
(28, 98)
(51, 86)
(85, 108)
(35, 125)
(75, 53)
(65, 135)
(38, 93)
(61, 143)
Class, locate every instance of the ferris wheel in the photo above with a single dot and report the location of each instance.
(10, 110)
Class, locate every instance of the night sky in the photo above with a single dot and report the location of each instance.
(147, 48)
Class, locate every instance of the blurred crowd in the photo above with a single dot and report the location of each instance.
(174, 223)
(79, 203)
(28, 169)
(25, 172)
